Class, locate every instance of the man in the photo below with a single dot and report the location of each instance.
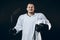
(27, 23)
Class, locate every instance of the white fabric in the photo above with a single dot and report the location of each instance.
(27, 25)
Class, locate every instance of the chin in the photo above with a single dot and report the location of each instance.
(31, 12)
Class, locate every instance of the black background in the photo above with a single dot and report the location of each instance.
(11, 9)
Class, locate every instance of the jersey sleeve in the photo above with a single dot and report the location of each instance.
(19, 26)
(44, 20)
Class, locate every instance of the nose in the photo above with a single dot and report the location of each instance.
(30, 7)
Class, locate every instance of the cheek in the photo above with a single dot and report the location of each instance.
(33, 9)
(28, 9)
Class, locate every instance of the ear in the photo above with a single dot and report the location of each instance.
(27, 9)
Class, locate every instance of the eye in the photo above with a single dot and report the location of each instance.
(29, 7)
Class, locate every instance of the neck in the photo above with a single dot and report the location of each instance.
(30, 14)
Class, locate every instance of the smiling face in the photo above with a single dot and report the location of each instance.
(30, 8)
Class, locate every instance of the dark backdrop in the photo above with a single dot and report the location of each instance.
(11, 9)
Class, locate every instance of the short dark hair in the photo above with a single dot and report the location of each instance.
(31, 3)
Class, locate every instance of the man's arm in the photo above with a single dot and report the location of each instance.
(44, 20)
(18, 26)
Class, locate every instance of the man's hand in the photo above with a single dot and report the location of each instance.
(41, 27)
(12, 31)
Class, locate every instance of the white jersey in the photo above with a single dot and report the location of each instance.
(27, 25)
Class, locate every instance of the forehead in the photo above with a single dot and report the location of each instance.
(30, 5)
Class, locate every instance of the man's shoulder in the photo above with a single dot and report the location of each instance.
(39, 13)
(22, 15)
